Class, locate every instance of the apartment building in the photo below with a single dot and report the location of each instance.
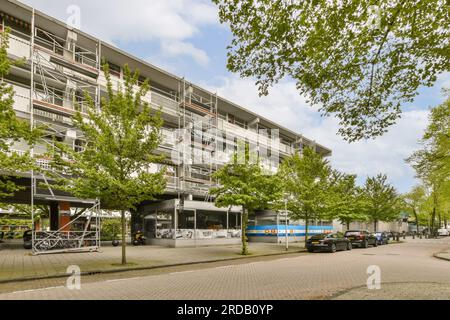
(62, 63)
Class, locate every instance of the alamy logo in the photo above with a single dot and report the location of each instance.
(74, 280)
(374, 279)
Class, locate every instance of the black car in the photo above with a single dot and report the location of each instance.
(27, 244)
(361, 238)
(330, 242)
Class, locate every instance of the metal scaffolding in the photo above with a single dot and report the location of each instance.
(198, 119)
(57, 89)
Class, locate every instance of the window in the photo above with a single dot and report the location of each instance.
(114, 69)
(186, 219)
(78, 145)
(213, 220)
(141, 80)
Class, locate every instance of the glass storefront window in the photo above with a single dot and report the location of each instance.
(164, 225)
(191, 224)
(186, 224)
(150, 226)
(211, 224)
(234, 224)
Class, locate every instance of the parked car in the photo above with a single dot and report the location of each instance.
(443, 232)
(361, 238)
(382, 238)
(330, 242)
(27, 244)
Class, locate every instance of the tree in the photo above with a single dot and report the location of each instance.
(413, 201)
(346, 200)
(11, 128)
(119, 150)
(306, 180)
(110, 228)
(432, 161)
(243, 182)
(346, 56)
(381, 200)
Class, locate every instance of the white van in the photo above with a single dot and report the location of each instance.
(443, 232)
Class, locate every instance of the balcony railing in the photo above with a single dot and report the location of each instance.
(167, 104)
(54, 97)
(56, 45)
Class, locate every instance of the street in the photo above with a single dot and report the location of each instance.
(408, 271)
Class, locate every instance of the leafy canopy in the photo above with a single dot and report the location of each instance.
(306, 183)
(346, 201)
(120, 139)
(382, 201)
(12, 129)
(356, 59)
(244, 182)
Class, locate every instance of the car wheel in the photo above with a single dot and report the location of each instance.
(349, 246)
(365, 244)
(375, 244)
(333, 248)
(310, 250)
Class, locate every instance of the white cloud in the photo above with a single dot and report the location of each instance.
(166, 21)
(385, 154)
(179, 48)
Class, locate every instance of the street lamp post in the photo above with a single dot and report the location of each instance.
(286, 224)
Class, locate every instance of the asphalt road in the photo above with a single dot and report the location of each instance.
(408, 271)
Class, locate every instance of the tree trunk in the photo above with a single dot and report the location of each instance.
(434, 209)
(244, 251)
(417, 220)
(375, 222)
(433, 218)
(348, 225)
(124, 243)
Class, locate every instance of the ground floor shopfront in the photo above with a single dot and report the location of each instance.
(193, 223)
(198, 223)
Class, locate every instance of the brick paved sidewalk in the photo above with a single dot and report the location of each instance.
(398, 291)
(17, 263)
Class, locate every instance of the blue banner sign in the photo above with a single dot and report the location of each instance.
(280, 230)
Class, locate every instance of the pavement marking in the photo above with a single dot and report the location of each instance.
(125, 279)
(40, 289)
(181, 272)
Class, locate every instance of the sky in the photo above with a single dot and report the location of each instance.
(186, 38)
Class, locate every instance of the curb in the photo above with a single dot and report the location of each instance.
(94, 272)
(437, 256)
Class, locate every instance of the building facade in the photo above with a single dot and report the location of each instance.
(201, 129)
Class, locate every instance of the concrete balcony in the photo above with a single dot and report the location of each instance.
(19, 46)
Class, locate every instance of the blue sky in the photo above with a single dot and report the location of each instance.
(185, 38)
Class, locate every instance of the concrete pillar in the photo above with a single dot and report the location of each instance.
(54, 216)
